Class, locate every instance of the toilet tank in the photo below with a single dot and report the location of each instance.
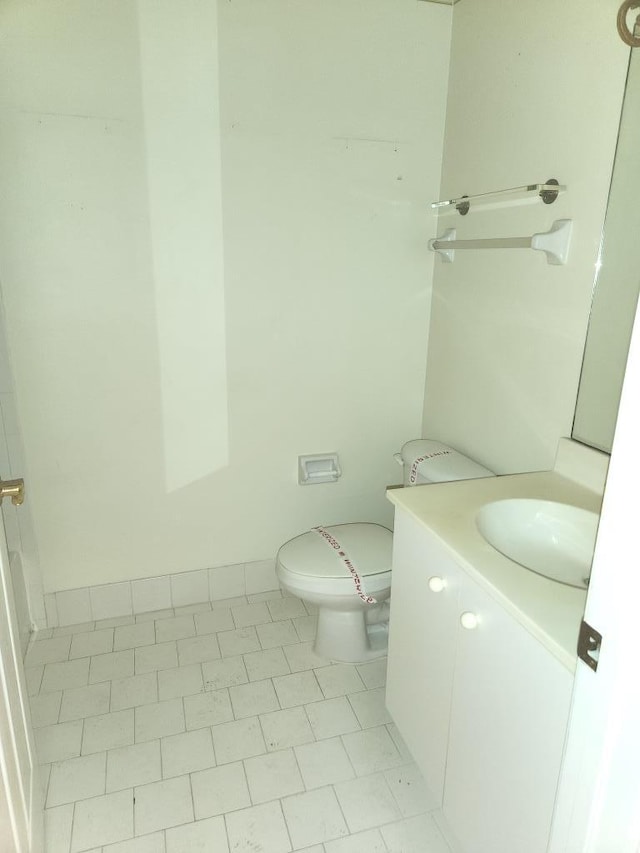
(428, 461)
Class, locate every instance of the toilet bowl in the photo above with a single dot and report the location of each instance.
(351, 627)
(345, 569)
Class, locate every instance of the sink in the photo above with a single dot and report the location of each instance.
(552, 539)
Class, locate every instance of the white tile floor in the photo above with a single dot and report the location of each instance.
(219, 730)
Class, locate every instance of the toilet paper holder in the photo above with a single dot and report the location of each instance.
(318, 468)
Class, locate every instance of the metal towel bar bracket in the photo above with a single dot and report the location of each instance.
(554, 243)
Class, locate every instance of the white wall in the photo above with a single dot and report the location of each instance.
(535, 92)
(130, 357)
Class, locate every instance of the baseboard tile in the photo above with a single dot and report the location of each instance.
(129, 598)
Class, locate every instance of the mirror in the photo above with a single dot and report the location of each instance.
(617, 284)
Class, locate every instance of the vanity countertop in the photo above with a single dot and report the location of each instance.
(549, 610)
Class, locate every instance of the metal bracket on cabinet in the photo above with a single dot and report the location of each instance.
(589, 643)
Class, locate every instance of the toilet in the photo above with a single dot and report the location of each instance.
(345, 569)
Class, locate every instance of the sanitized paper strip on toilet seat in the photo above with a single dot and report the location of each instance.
(348, 563)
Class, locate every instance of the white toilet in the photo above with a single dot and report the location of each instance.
(345, 569)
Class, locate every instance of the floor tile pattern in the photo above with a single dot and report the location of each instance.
(216, 728)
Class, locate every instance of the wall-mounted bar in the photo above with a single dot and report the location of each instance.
(548, 192)
(554, 243)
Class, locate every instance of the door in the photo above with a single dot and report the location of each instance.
(21, 815)
(598, 806)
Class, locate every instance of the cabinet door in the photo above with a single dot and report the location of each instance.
(422, 634)
(509, 716)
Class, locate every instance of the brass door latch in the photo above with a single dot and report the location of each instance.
(13, 489)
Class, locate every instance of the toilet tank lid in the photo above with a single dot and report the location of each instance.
(367, 545)
(440, 463)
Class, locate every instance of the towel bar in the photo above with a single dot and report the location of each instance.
(554, 243)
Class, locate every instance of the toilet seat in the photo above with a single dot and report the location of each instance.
(308, 563)
(367, 545)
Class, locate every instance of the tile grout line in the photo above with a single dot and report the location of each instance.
(246, 782)
(134, 811)
(73, 825)
(226, 830)
(344, 817)
(286, 822)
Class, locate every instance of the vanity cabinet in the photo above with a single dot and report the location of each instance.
(483, 708)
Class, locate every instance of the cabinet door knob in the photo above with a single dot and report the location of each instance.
(436, 584)
(469, 620)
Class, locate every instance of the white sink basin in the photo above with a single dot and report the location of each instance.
(553, 539)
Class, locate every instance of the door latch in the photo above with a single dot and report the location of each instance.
(589, 643)
(13, 489)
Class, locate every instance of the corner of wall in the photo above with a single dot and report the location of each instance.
(582, 464)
